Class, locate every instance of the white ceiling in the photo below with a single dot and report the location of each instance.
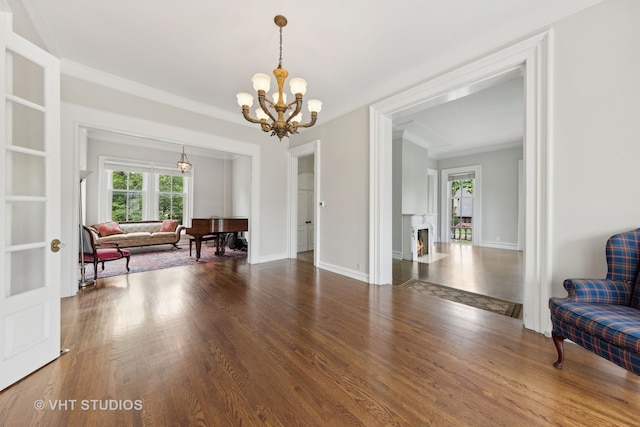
(489, 119)
(352, 53)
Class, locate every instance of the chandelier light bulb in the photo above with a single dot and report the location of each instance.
(245, 99)
(297, 118)
(261, 114)
(298, 86)
(314, 105)
(275, 97)
(261, 81)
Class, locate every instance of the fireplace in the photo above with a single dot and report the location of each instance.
(422, 242)
(418, 235)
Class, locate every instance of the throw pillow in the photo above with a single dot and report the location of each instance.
(108, 228)
(169, 225)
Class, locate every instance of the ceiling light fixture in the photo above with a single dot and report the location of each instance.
(279, 126)
(184, 164)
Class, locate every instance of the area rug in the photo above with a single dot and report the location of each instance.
(506, 308)
(147, 259)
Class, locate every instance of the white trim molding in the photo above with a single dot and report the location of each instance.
(532, 55)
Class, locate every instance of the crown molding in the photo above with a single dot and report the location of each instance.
(471, 151)
(92, 75)
(413, 138)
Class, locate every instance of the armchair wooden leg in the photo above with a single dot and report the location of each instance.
(558, 340)
(128, 257)
(95, 269)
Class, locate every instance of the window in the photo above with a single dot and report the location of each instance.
(171, 197)
(126, 196)
(135, 191)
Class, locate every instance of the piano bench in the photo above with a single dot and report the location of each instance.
(204, 239)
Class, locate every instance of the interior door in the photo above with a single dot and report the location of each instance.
(303, 221)
(310, 223)
(29, 206)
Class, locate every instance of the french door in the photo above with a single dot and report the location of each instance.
(29, 206)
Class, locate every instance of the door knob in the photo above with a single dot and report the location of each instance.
(55, 245)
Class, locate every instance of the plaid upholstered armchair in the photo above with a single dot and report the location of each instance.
(603, 315)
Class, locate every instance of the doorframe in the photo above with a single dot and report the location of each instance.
(293, 155)
(533, 55)
(77, 119)
(476, 231)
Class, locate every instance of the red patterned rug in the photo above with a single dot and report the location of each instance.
(147, 259)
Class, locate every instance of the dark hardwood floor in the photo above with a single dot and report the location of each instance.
(493, 272)
(285, 344)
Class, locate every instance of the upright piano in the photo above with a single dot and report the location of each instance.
(215, 228)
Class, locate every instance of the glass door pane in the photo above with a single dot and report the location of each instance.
(25, 176)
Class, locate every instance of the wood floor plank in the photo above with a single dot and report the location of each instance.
(285, 344)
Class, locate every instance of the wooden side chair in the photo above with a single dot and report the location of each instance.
(100, 253)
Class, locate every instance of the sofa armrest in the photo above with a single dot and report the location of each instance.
(599, 291)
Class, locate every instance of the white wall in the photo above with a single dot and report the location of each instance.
(595, 147)
(499, 194)
(240, 186)
(415, 188)
(345, 189)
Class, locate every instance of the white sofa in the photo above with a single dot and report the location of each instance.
(138, 233)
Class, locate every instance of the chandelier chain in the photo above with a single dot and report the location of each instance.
(280, 60)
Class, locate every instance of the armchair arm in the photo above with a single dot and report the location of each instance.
(598, 291)
(107, 245)
(110, 245)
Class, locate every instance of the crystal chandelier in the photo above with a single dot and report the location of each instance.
(275, 121)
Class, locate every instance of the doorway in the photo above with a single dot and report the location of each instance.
(461, 219)
(306, 208)
(531, 55)
(304, 201)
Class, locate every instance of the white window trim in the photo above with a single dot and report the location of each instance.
(149, 186)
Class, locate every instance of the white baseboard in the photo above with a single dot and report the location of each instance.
(358, 275)
(500, 245)
(274, 257)
(397, 254)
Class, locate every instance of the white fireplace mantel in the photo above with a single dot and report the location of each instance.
(411, 223)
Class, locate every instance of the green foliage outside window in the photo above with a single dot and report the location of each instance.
(126, 200)
(171, 198)
(467, 184)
